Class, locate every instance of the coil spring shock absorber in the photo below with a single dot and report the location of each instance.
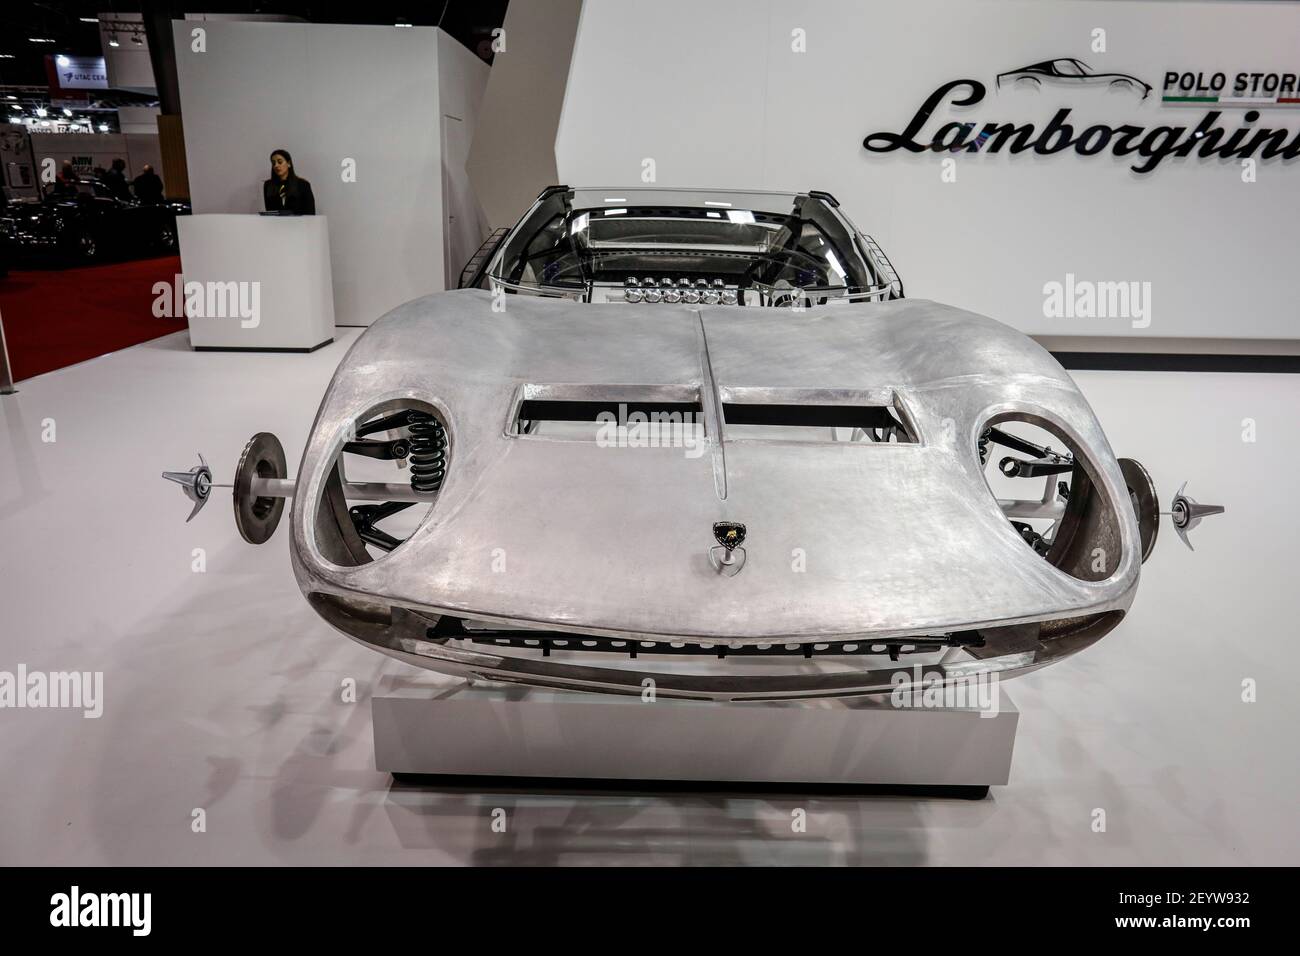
(428, 451)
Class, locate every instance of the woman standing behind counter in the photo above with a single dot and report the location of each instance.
(286, 191)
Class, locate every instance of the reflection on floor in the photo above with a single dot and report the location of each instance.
(223, 692)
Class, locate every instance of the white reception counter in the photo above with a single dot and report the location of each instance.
(257, 282)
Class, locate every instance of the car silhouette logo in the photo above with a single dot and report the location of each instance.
(1071, 70)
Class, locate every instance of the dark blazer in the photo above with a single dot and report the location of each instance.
(148, 187)
(115, 180)
(297, 196)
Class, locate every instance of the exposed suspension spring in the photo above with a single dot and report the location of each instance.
(428, 451)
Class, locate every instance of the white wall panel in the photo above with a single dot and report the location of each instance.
(512, 155)
(714, 93)
(326, 92)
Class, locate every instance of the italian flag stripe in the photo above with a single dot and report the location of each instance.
(1234, 100)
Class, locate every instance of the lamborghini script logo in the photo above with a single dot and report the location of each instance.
(728, 557)
(942, 123)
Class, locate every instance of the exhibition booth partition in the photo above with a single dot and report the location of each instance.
(377, 119)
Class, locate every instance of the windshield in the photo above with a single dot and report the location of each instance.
(560, 249)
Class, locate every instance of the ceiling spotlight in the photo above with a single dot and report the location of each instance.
(39, 40)
(62, 60)
(67, 112)
(403, 23)
(103, 127)
(112, 40)
(14, 106)
(88, 19)
(40, 111)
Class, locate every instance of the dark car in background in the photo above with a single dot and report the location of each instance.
(90, 225)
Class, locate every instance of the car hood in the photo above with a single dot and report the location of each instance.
(844, 538)
(29, 214)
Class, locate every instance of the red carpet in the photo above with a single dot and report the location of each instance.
(55, 318)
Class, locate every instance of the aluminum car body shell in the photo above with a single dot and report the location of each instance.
(896, 539)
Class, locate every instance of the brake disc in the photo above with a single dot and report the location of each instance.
(256, 516)
(1146, 504)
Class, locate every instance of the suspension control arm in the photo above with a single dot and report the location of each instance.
(383, 450)
(1015, 443)
(1037, 468)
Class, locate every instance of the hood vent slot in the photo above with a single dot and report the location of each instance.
(624, 415)
(816, 418)
(544, 410)
(659, 415)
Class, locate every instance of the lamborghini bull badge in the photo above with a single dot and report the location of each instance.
(727, 556)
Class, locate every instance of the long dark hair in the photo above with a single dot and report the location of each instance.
(288, 159)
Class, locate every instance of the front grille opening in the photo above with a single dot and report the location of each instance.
(628, 421)
(1046, 490)
(546, 641)
(382, 482)
(817, 422)
(807, 650)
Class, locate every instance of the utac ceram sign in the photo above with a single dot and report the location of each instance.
(77, 72)
(1148, 145)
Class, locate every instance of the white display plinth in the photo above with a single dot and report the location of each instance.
(279, 263)
(507, 731)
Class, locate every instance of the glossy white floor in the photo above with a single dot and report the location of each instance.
(222, 689)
